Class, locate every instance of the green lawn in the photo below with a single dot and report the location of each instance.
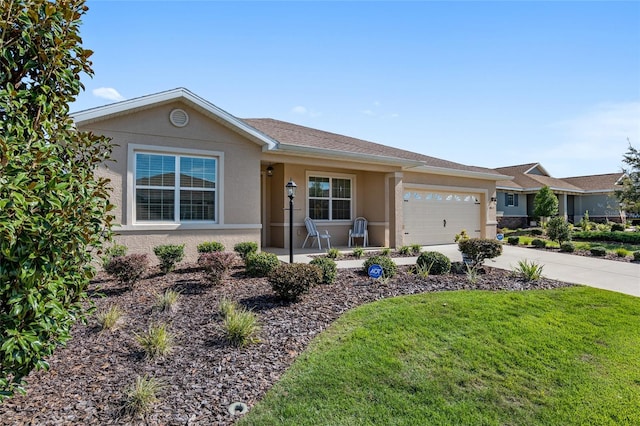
(554, 357)
(585, 245)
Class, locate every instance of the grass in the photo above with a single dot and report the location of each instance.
(110, 318)
(240, 325)
(168, 301)
(586, 245)
(142, 395)
(157, 341)
(530, 271)
(566, 356)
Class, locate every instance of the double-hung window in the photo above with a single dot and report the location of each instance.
(511, 200)
(175, 188)
(330, 198)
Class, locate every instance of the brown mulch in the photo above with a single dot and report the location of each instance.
(204, 374)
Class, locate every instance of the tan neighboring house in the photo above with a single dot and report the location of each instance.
(186, 171)
(576, 195)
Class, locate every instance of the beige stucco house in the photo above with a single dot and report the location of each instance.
(186, 171)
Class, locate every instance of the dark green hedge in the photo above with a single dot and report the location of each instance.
(615, 236)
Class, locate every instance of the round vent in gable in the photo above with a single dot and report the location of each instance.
(179, 117)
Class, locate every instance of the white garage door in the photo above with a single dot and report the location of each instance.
(432, 217)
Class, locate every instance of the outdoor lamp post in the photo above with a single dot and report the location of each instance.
(291, 193)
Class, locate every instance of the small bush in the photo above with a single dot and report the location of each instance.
(480, 249)
(567, 247)
(416, 249)
(168, 301)
(514, 241)
(358, 252)
(536, 232)
(142, 395)
(389, 268)
(621, 252)
(386, 251)
(538, 243)
(636, 255)
(617, 227)
(241, 326)
(558, 229)
(169, 255)
(404, 250)
(333, 253)
(530, 271)
(290, 280)
(437, 263)
(216, 265)
(128, 269)
(328, 267)
(598, 251)
(156, 342)
(210, 247)
(261, 264)
(110, 318)
(115, 250)
(246, 248)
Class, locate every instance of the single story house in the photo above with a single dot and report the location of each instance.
(186, 171)
(576, 195)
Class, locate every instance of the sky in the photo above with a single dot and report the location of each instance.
(487, 84)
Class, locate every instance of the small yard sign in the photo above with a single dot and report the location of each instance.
(375, 271)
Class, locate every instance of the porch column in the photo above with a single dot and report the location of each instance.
(562, 206)
(394, 209)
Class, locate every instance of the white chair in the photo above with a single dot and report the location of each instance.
(359, 230)
(312, 232)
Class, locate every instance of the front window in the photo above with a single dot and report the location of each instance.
(175, 188)
(330, 198)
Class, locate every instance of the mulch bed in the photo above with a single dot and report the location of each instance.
(204, 375)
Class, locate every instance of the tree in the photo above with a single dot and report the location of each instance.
(545, 204)
(558, 230)
(629, 195)
(53, 208)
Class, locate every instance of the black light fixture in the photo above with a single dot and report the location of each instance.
(494, 200)
(269, 171)
(291, 193)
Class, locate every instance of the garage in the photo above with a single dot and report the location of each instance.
(435, 217)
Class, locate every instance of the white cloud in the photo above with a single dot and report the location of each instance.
(108, 93)
(300, 110)
(369, 113)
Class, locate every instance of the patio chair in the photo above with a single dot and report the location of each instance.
(359, 230)
(312, 232)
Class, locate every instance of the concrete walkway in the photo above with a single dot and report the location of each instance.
(622, 277)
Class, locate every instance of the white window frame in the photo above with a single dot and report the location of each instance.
(331, 176)
(134, 149)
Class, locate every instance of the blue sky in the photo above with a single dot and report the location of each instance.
(482, 83)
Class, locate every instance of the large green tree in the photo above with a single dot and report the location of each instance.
(629, 195)
(53, 208)
(545, 204)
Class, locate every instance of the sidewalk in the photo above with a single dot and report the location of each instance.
(622, 277)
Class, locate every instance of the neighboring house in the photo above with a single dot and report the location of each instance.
(185, 171)
(576, 195)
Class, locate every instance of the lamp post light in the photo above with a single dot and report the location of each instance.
(291, 193)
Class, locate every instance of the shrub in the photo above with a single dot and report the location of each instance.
(386, 251)
(437, 263)
(115, 250)
(333, 253)
(169, 255)
(168, 301)
(261, 264)
(480, 249)
(241, 326)
(558, 230)
(128, 269)
(598, 251)
(358, 252)
(538, 243)
(636, 255)
(514, 241)
(530, 271)
(156, 342)
(567, 247)
(290, 280)
(216, 265)
(617, 237)
(210, 246)
(389, 268)
(328, 267)
(142, 395)
(404, 250)
(416, 248)
(617, 227)
(110, 318)
(246, 248)
(536, 232)
(621, 252)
